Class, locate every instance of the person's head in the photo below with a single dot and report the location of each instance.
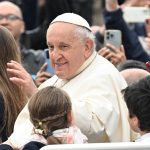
(12, 95)
(134, 75)
(128, 64)
(50, 110)
(11, 18)
(70, 43)
(137, 98)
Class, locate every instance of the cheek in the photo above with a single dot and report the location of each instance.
(51, 57)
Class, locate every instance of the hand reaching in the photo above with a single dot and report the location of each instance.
(20, 77)
(114, 55)
(42, 75)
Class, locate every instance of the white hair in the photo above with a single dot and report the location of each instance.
(83, 33)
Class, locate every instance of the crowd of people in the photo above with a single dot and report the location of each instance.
(99, 92)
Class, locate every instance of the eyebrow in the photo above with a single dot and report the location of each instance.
(19, 17)
(48, 43)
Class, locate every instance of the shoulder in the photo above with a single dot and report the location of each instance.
(102, 71)
(48, 82)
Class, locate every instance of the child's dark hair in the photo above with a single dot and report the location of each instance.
(48, 110)
(137, 98)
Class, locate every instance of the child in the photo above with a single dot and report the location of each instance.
(51, 114)
(137, 98)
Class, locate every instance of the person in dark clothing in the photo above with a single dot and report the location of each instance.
(137, 98)
(11, 18)
(128, 64)
(113, 17)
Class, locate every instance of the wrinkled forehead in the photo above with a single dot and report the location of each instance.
(62, 28)
(62, 32)
(10, 8)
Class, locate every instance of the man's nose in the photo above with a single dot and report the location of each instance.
(56, 53)
(3, 21)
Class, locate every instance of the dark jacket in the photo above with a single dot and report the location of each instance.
(133, 48)
(33, 145)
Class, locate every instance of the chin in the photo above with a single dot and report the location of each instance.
(60, 75)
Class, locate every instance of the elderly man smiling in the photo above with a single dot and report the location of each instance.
(92, 82)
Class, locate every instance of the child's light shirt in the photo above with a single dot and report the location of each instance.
(144, 138)
(71, 135)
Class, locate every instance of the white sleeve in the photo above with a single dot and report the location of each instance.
(22, 129)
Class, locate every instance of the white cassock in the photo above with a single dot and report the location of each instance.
(98, 105)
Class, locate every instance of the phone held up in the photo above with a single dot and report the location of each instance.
(47, 60)
(136, 14)
(113, 37)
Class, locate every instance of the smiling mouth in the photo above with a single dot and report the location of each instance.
(60, 64)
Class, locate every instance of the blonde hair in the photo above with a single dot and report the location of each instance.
(48, 110)
(14, 99)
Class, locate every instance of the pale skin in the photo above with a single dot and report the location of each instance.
(42, 75)
(16, 27)
(113, 54)
(67, 52)
(20, 77)
(134, 124)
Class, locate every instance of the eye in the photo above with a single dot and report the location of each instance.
(51, 47)
(63, 47)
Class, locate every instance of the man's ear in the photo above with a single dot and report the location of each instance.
(70, 118)
(135, 121)
(88, 48)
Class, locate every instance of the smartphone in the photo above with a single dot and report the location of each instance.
(47, 60)
(136, 14)
(113, 37)
(147, 25)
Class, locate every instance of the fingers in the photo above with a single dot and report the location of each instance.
(43, 67)
(20, 77)
(122, 49)
(16, 70)
(115, 56)
(17, 81)
(114, 61)
(115, 49)
(41, 77)
(104, 51)
(42, 74)
(14, 65)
